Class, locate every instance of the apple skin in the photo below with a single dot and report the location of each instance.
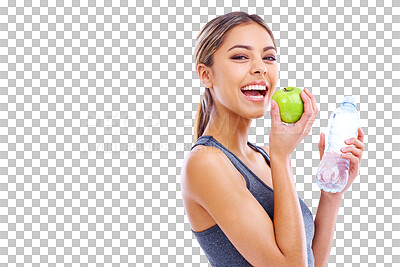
(291, 106)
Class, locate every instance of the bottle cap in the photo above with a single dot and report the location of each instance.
(349, 99)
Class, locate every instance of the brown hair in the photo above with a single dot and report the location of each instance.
(208, 41)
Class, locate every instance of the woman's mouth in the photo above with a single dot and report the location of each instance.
(255, 92)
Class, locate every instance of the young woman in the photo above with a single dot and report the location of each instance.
(241, 199)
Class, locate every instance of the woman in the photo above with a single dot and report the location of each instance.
(241, 199)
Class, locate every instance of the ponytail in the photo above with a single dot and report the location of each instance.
(203, 114)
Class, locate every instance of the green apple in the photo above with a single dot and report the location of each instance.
(291, 106)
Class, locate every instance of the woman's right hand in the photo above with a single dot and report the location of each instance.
(283, 139)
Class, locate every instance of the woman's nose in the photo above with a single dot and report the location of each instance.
(259, 67)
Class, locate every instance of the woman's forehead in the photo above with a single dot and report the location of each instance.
(250, 35)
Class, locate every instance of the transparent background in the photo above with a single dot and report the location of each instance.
(98, 100)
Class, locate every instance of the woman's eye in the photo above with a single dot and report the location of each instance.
(238, 57)
(272, 58)
(244, 57)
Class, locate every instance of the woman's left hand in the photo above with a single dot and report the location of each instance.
(354, 152)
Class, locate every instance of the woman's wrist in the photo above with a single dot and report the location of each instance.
(276, 154)
(337, 197)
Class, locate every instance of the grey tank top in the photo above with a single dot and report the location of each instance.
(217, 247)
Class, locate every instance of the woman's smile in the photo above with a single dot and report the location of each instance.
(255, 91)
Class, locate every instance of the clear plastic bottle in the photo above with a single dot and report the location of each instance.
(333, 170)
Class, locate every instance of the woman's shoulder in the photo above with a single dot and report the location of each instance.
(201, 156)
(205, 151)
(206, 164)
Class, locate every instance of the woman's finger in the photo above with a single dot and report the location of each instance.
(315, 110)
(360, 135)
(313, 102)
(353, 159)
(356, 142)
(355, 151)
(321, 145)
(302, 126)
(308, 109)
(309, 98)
(275, 113)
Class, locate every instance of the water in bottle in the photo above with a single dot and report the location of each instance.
(333, 170)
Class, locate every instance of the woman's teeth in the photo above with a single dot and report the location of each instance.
(254, 87)
(256, 96)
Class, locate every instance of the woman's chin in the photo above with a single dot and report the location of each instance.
(255, 114)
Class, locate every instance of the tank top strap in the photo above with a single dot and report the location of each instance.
(263, 152)
(208, 140)
(202, 140)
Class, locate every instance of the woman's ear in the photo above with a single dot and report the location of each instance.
(205, 76)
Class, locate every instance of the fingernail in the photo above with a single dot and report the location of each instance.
(344, 149)
(272, 104)
(348, 141)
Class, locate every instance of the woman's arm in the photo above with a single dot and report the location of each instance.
(325, 221)
(329, 203)
(288, 220)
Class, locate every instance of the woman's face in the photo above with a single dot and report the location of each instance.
(236, 67)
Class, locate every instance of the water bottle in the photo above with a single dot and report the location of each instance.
(333, 170)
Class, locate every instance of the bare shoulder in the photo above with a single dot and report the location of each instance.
(200, 161)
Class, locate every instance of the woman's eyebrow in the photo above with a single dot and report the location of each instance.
(251, 48)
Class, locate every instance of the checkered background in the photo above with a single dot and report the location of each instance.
(98, 100)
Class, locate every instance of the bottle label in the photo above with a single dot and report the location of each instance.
(344, 126)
